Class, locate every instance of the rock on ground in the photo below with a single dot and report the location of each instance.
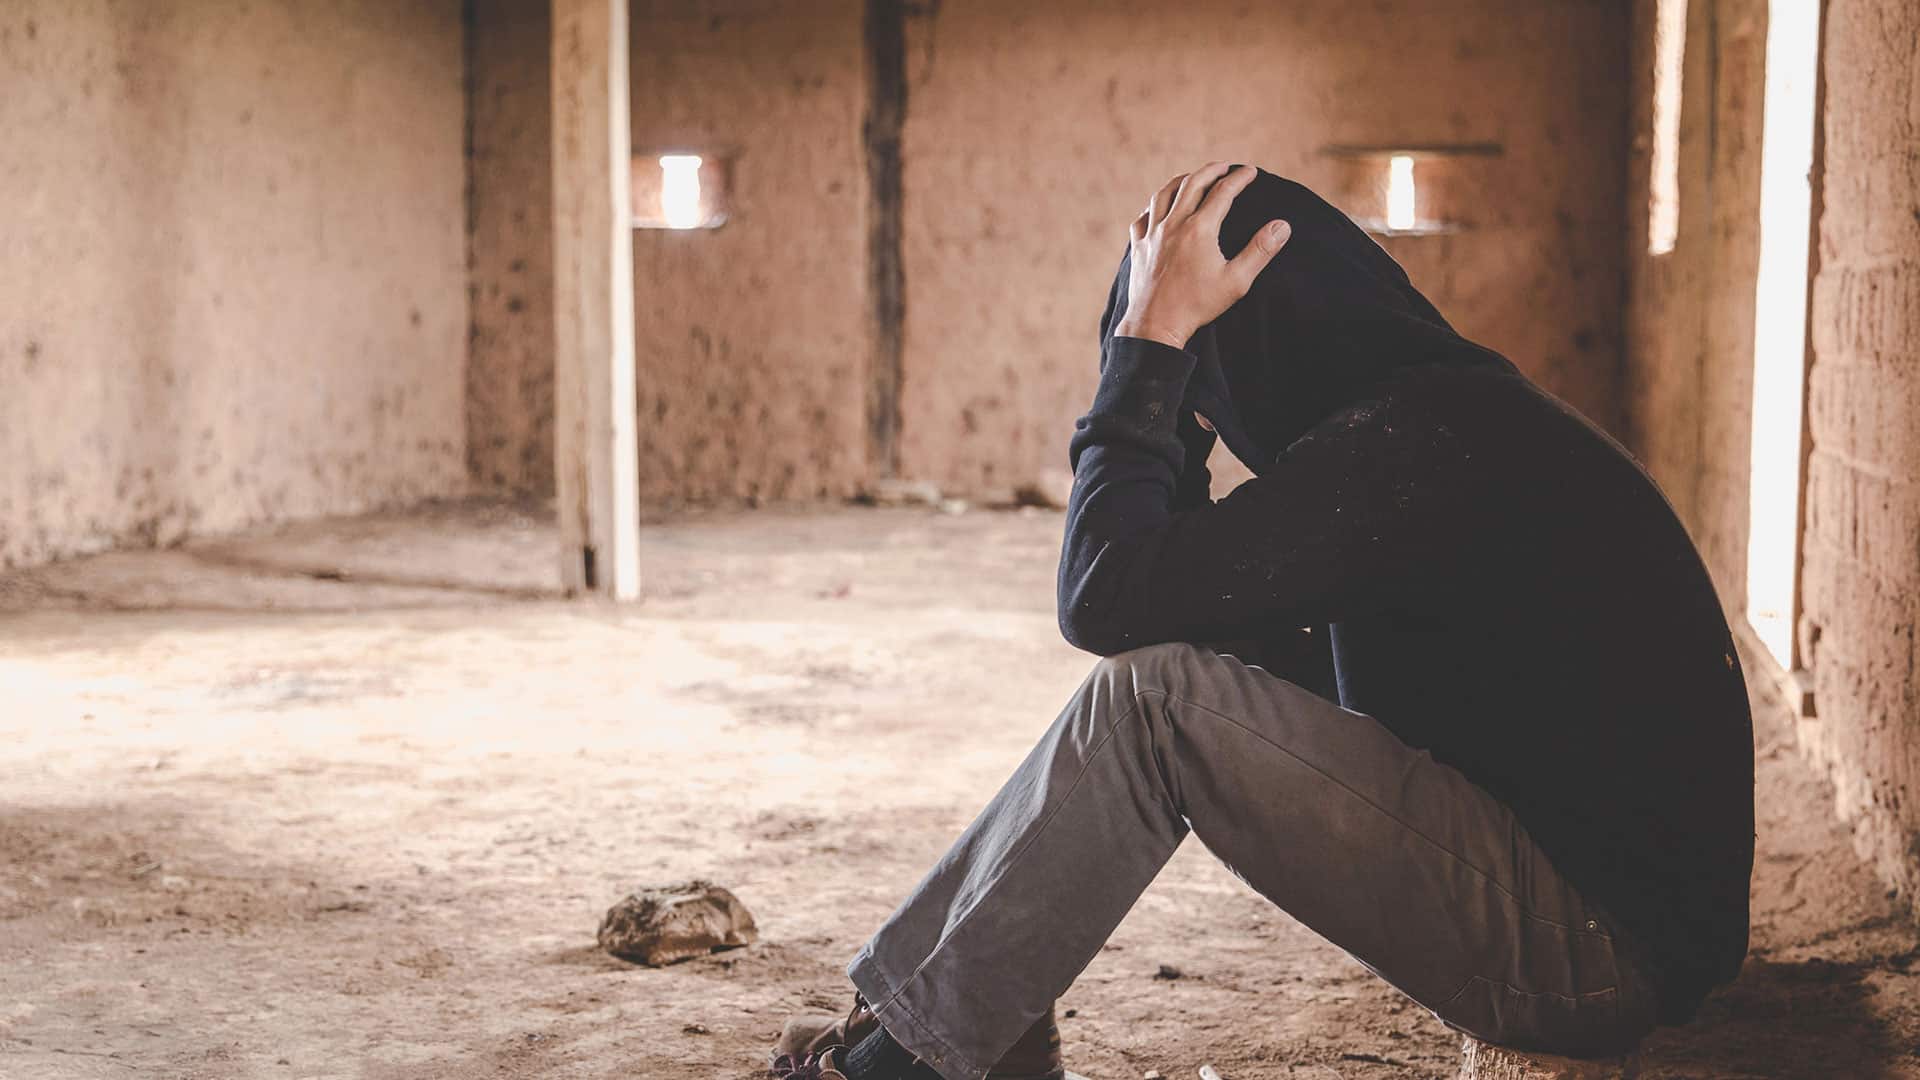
(665, 926)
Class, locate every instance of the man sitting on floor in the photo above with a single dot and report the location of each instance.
(1531, 809)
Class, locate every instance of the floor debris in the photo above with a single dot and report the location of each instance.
(665, 926)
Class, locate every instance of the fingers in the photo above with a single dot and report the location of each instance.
(1244, 267)
(1163, 201)
(1193, 186)
(1213, 210)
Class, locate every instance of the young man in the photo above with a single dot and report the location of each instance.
(1532, 808)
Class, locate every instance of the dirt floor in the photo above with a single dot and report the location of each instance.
(348, 800)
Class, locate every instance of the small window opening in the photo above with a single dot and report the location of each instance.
(1780, 324)
(1410, 189)
(1663, 188)
(1400, 192)
(679, 191)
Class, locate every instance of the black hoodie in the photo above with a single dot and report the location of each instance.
(1498, 581)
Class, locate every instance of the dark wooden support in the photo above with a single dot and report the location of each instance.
(886, 41)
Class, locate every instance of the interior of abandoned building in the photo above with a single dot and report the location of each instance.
(465, 460)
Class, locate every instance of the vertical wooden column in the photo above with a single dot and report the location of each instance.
(886, 41)
(596, 452)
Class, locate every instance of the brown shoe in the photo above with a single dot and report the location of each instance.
(805, 1036)
(821, 1066)
(1035, 1055)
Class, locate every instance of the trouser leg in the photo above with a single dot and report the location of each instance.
(1400, 860)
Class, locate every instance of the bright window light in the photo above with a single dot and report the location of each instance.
(1780, 322)
(680, 191)
(1400, 203)
(1663, 186)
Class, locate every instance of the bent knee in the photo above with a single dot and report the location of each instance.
(1151, 667)
(1167, 654)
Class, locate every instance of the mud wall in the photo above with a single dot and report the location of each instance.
(509, 385)
(1861, 570)
(1035, 132)
(1689, 356)
(1689, 376)
(753, 338)
(231, 257)
(1031, 134)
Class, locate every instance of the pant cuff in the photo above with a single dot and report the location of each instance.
(906, 1022)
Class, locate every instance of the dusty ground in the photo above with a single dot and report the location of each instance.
(349, 800)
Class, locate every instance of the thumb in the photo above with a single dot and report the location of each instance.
(1260, 250)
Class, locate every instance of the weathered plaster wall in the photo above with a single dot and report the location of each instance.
(231, 261)
(510, 246)
(1689, 359)
(1036, 131)
(1862, 559)
(1032, 132)
(1690, 370)
(753, 339)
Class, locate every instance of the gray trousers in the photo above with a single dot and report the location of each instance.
(1400, 860)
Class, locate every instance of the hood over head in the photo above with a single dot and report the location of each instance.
(1328, 318)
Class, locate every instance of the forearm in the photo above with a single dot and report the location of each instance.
(1129, 460)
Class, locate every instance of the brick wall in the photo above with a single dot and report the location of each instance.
(1689, 338)
(1861, 571)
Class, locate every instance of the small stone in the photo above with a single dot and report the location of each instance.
(1169, 972)
(1152, 1074)
(656, 927)
(696, 1029)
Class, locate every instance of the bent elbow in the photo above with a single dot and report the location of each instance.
(1090, 633)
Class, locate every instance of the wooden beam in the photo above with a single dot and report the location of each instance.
(596, 452)
(886, 41)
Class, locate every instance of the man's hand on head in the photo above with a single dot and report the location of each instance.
(1179, 281)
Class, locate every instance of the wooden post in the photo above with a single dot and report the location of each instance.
(886, 38)
(596, 451)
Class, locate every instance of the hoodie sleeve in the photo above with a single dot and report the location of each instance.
(1194, 484)
(1362, 508)
(1194, 488)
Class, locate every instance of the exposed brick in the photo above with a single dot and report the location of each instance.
(1869, 517)
(1861, 571)
(1870, 312)
(1864, 412)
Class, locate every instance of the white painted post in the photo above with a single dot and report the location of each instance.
(596, 452)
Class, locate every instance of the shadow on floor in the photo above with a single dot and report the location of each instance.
(1808, 1018)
